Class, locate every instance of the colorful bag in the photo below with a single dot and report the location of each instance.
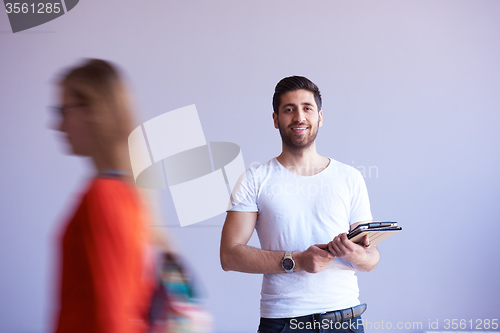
(175, 306)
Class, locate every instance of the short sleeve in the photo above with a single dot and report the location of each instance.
(360, 203)
(244, 194)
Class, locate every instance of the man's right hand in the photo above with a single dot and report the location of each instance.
(313, 260)
(236, 255)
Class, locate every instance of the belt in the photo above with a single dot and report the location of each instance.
(342, 315)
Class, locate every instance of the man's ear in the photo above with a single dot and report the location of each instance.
(275, 118)
(320, 114)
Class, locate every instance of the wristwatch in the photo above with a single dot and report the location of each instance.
(287, 263)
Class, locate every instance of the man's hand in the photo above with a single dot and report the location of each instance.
(236, 255)
(313, 260)
(342, 248)
(361, 256)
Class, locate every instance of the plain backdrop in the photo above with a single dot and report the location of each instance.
(411, 94)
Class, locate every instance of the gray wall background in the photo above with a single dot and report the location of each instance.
(411, 89)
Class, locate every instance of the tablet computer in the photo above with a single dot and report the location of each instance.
(377, 231)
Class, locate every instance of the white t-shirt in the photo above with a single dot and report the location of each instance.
(295, 212)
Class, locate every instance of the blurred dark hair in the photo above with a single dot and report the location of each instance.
(293, 83)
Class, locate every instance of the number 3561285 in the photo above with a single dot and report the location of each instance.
(39, 8)
(478, 324)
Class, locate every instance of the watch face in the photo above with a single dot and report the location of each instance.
(287, 264)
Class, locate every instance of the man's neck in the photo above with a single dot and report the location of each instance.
(305, 162)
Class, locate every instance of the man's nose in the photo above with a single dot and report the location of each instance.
(299, 116)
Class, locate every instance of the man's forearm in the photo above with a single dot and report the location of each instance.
(236, 255)
(369, 261)
(248, 259)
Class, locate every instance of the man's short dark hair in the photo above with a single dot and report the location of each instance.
(293, 83)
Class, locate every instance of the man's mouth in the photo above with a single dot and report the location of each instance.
(299, 129)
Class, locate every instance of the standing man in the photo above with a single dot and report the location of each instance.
(301, 204)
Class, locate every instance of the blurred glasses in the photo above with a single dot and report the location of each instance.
(62, 110)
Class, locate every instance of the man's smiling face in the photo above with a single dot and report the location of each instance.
(298, 119)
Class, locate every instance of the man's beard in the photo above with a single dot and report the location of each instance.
(292, 143)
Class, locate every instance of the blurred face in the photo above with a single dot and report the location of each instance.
(298, 119)
(74, 123)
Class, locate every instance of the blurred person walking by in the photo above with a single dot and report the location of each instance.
(105, 285)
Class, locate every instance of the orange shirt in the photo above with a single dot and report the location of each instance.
(105, 285)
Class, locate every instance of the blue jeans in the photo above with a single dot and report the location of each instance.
(309, 324)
